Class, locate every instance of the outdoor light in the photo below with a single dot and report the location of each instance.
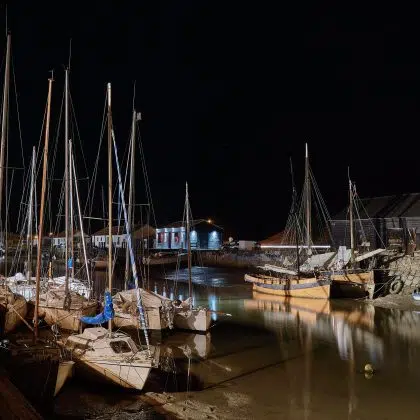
(208, 220)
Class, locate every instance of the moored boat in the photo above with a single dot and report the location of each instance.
(312, 287)
(14, 309)
(51, 309)
(112, 357)
(159, 311)
(190, 318)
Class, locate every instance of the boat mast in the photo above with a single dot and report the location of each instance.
(4, 130)
(308, 201)
(41, 211)
(30, 217)
(187, 209)
(71, 221)
(295, 217)
(130, 196)
(109, 200)
(351, 222)
(66, 179)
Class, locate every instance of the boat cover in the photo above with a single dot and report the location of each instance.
(105, 315)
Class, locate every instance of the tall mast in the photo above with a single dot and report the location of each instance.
(351, 222)
(187, 209)
(130, 196)
(71, 221)
(66, 176)
(295, 217)
(30, 217)
(308, 201)
(109, 199)
(4, 125)
(41, 211)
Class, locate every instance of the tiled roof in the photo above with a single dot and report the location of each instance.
(402, 205)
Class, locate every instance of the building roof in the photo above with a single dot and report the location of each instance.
(402, 205)
(273, 240)
(115, 230)
(192, 223)
(62, 234)
(146, 231)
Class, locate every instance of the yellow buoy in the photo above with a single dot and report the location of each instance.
(368, 368)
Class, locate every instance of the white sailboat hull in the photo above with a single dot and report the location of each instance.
(126, 375)
(193, 319)
(114, 358)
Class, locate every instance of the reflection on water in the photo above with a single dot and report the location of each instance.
(327, 320)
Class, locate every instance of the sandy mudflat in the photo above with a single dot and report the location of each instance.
(402, 302)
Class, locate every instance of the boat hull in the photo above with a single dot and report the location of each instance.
(15, 313)
(128, 375)
(308, 288)
(353, 284)
(198, 320)
(155, 320)
(66, 319)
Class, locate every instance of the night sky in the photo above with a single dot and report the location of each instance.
(228, 92)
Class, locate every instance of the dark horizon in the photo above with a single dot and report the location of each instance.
(228, 94)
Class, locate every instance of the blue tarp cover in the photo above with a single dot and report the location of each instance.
(107, 314)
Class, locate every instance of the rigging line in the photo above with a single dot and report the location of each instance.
(73, 112)
(22, 204)
(374, 228)
(17, 110)
(91, 189)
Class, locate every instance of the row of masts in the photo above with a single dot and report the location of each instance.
(69, 180)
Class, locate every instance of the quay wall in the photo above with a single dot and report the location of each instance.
(240, 259)
(401, 271)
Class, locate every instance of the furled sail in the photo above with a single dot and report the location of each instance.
(104, 316)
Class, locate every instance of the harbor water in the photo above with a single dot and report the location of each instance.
(266, 357)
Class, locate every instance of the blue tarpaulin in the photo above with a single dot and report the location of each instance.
(107, 314)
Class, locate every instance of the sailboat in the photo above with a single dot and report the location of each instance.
(186, 316)
(113, 356)
(349, 278)
(295, 283)
(67, 298)
(13, 307)
(24, 283)
(159, 310)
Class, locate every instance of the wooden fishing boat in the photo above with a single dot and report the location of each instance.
(313, 287)
(305, 280)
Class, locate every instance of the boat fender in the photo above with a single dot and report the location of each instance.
(395, 287)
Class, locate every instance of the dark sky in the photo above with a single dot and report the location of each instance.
(228, 92)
